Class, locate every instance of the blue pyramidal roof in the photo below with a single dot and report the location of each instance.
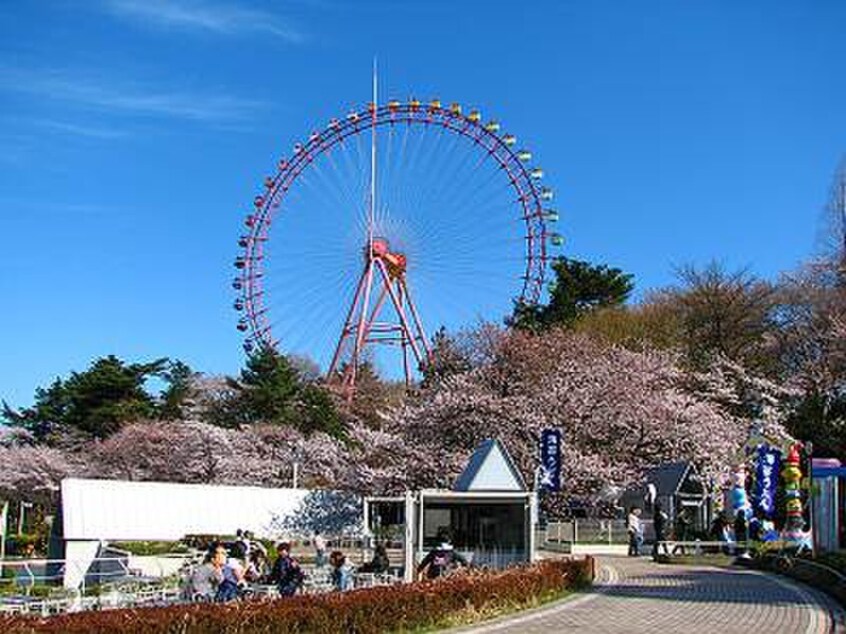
(490, 468)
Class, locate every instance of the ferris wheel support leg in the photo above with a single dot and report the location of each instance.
(362, 328)
(404, 340)
(418, 324)
(377, 307)
(400, 311)
(348, 326)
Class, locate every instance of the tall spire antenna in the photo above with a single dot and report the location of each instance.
(372, 215)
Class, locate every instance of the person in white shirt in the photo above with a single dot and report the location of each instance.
(635, 531)
(319, 550)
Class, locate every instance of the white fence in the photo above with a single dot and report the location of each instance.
(593, 531)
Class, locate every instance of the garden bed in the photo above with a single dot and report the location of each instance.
(816, 574)
(461, 598)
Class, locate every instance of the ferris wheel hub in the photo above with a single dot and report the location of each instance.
(380, 249)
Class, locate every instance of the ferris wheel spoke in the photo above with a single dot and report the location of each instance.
(314, 322)
(344, 196)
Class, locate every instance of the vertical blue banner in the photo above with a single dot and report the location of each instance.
(766, 480)
(550, 462)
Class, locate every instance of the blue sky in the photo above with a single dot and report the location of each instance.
(135, 133)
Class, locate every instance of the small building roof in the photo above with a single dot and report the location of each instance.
(490, 468)
(671, 478)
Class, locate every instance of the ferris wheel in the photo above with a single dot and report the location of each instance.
(395, 218)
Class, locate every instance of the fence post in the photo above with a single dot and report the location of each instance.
(575, 531)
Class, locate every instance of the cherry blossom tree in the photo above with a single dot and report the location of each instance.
(619, 411)
(33, 473)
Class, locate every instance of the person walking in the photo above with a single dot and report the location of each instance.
(635, 531)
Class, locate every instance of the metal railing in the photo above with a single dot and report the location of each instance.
(593, 531)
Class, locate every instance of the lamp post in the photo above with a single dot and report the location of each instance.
(21, 514)
(295, 453)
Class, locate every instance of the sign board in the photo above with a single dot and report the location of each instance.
(549, 476)
(766, 480)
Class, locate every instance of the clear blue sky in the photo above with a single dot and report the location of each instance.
(135, 133)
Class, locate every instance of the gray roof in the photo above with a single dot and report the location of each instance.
(669, 477)
(474, 464)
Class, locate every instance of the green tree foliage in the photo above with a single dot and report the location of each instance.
(96, 402)
(821, 419)
(178, 377)
(271, 390)
(579, 289)
(270, 385)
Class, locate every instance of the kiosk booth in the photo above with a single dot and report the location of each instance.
(488, 515)
(828, 503)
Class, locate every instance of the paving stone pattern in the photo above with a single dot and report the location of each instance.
(635, 596)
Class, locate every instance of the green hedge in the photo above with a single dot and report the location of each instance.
(151, 548)
(396, 608)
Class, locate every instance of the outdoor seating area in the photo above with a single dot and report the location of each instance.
(131, 591)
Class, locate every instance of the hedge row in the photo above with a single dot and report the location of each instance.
(366, 611)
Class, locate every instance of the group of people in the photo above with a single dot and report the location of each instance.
(228, 569)
(634, 528)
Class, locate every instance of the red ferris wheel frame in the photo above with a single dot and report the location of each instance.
(500, 147)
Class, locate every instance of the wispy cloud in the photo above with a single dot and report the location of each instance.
(128, 98)
(91, 132)
(53, 207)
(201, 15)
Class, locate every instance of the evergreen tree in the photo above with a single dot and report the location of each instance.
(96, 402)
(271, 390)
(174, 397)
(579, 289)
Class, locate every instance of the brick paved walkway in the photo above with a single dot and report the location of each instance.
(635, 596)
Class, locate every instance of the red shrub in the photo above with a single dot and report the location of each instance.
(365, 611)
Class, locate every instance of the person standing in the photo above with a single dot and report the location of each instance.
(635, 531)
(319, 550)
(659, 523)
(287, 573)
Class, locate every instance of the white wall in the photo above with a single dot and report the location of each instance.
(119, 510)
